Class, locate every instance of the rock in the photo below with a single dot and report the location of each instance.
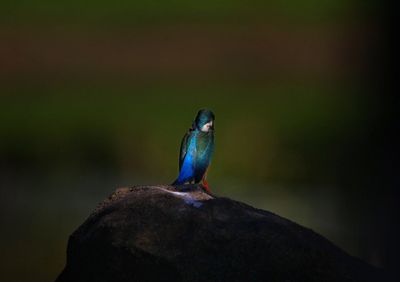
(163, 233)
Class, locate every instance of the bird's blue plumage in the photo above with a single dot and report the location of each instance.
(196, 149)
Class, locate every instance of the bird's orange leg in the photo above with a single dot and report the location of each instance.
(205, 183)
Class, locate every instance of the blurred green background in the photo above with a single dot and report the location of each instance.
(97, 95)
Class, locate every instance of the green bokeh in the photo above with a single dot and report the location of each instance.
(291, 141)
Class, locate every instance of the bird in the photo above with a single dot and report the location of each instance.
(196, 150)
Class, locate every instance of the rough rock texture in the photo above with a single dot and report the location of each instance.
(155, 233)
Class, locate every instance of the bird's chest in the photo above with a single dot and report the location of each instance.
(201, 147)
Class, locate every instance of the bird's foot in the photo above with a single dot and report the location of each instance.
(206, 186)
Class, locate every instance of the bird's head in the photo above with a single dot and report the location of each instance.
(204, 120)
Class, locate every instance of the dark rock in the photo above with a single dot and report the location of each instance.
(154, 233)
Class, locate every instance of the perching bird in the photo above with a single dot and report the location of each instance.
(196, 150)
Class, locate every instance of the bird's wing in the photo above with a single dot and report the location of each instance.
(185, 146)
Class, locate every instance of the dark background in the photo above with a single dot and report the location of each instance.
(97, 95)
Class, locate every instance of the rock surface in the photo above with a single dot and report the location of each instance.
(163, 233)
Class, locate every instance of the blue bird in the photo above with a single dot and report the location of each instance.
(196, 150)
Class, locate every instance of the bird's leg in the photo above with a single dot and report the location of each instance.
(205, 183)
(206, 186)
